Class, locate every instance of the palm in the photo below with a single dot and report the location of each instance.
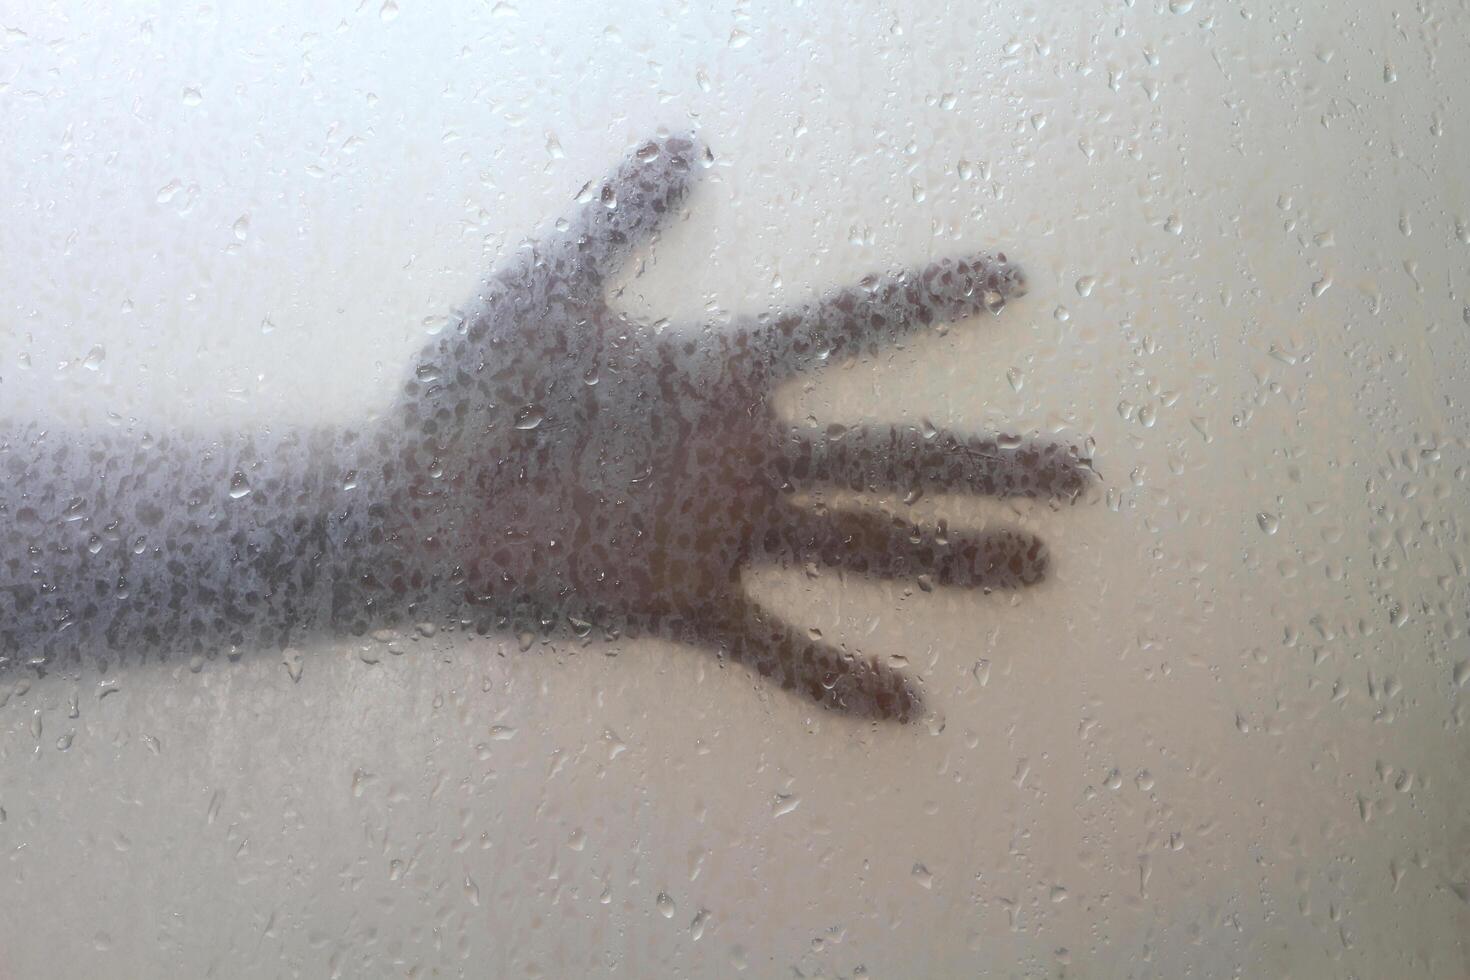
(563, 466)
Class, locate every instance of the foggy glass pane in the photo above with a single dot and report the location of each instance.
(825, 490)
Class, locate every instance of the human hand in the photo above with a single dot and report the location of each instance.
(566, 467)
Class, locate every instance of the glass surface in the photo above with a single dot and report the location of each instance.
(376, 600)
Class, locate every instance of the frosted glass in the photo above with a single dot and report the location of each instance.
(1094, 610)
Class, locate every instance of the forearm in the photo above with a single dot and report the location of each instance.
(121, 545)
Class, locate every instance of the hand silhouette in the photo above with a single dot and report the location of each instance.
(569, 463)
(549, 466)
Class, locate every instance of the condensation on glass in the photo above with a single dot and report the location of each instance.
(814, 490)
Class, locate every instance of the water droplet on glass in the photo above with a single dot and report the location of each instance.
(665, 905)
(1268, 522)
(239, 486)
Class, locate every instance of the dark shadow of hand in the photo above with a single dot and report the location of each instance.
(565, 467)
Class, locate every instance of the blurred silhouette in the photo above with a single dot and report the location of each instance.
(550, 466)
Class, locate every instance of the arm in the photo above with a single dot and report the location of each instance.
(127, 543)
